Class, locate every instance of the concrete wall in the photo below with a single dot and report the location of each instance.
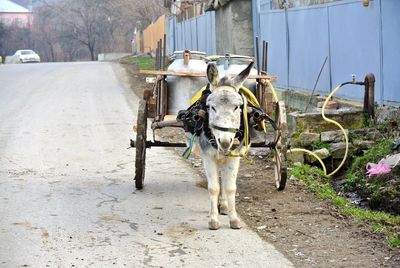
(234, 30)
(11, 59)
(112, 56)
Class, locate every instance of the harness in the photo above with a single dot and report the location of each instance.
(195, 121)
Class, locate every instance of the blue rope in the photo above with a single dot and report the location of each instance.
(188, 151)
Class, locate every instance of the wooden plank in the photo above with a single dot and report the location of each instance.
(168, 73)
(193, 74)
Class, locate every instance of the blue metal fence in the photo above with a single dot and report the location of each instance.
(356, 40)
(390, 51)
(197, 34)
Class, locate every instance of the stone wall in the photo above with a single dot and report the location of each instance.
(330, 145)
(326, 140)
(313, 122)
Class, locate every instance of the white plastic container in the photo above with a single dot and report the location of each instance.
(182, 89)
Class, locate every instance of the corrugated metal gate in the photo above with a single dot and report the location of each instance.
(356, 40)
(197, 34)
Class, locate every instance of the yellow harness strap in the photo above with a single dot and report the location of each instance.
(246, 138)
(247, 96)
(247, 92)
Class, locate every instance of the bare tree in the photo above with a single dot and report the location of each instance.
(13, 38)
(45, 32)
(83, 21)
(65, 29)
(142, 13)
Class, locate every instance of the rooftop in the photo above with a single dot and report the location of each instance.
(7, 6)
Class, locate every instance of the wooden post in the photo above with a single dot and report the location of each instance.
(156, 61)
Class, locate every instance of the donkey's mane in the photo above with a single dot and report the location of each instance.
(226, 81)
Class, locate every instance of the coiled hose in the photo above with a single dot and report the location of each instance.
(326, 119)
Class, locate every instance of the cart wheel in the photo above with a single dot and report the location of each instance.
(280, 150)
(141, 137)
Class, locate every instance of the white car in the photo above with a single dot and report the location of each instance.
(26, 55)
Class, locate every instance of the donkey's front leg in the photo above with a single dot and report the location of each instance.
(229, 173)
(211, 169)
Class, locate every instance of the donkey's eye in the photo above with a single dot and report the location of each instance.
(213, 109)
(237, 107)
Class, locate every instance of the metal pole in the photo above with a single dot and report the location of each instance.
(263, 57)
(266, 58)
(316, 82)
(257, 56)
(165, 53)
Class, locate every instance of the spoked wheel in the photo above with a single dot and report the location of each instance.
(141, 137)
(280, 150)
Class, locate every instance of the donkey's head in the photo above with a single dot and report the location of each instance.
(224, 105)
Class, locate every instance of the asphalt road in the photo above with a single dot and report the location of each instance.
(67, 197)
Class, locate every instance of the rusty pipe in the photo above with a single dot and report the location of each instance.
(369, 96)
(162, 124)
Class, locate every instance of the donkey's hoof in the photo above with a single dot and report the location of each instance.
(223, 210)
(235, 224)
(213, 225)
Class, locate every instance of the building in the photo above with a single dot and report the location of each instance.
(12, 14)
(185, 9)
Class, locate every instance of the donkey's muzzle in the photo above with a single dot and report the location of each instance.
(225, 143)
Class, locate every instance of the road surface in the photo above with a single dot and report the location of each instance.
(67, 196)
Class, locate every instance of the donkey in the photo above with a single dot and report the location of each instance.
(216, 139)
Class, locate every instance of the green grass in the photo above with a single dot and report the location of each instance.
(320, 144)
(380, 222)
(144, 62)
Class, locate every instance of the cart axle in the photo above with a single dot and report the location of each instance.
(150, 144)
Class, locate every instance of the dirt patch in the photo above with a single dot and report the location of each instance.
(308, 231)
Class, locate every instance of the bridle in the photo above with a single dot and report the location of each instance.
(224, 129)
(196, 121)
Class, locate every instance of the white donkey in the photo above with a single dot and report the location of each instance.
(216, 140)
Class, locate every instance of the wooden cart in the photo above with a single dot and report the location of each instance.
(279, 144)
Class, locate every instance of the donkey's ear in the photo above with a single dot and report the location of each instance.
(212, 74)
(240, 78)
